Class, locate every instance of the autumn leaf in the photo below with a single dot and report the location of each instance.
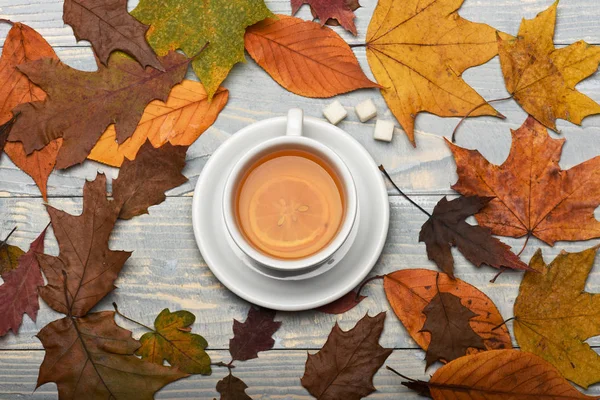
(90, 266)
(345, 303)
(325, 68)
(344, 367)
(340, 10)
(107, 25)
(418, 51)
(554, 316)
(9, 255)
(5, 129)
(180, 121)
(189, 25)
(142, 183)
(232, 388)
(532, 195)
(115, 94)
(253, 335)
(173, 341)
(351, 4)
(498, 375)
(93, 358)
(410, 291)
(541, 78)
(18, 294)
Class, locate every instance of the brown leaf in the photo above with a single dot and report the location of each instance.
(352, 4)
(447, 227)
(254, 334)
(325, 68)
(115, 94)
(340, 10)
(409, 291)
(9, 255)
(90, 266)
(448, 322)
(92, 358)
(344, 367)
(232, 388)
(18, 294)
(533, 196)
(345, 303)
(142, 183)
(107, 25)
(541, 78)
(4, 131)
(500, 375)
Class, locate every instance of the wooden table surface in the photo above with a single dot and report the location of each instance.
(166, 268)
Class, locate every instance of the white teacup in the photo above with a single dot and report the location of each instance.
(291, 139)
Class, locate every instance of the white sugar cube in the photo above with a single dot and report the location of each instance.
(384, 130)
(366, 110)
(335, 112)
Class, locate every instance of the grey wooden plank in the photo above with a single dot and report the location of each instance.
(167, 270)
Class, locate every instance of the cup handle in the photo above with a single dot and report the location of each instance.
(294, 122)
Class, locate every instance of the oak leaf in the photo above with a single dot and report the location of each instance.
(447, 227)
(18, 294)
(93, 358)
(107, 25)
(85, 261)
(344, 367)
(554, 316)
(232, 388)
(410, 291)
(305, 58)
(352, 4)
(345, 303)
(173, 341)
(189, 25)
(185, 115)
(143, 182)
(498, 375)
(115, 94)
(339, 10)
(448, 323)
(532, 195)
(418, 51)
(541, 78)
(253, 335)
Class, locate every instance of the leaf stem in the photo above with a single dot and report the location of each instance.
(3, 243)
(382, 169)
(467, 115)
(399, 374)
(504, 323)
(362, 285)
(525, 244)
(129, 319)
(358, 45)
(8, 21)
(229, 366)
(66, 290)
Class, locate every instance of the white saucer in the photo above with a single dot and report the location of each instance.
(313, 289)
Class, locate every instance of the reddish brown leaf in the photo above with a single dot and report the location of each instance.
(340, 10)
(18, 294)
(90, 266)
(344, 367)
(254, 334)
(142, 183)
(115, 94)
(107, 25)
(232, 388)
(4, 131)
(343, 304)
(352, 4)
(447, 227)
(92, 358)
(448, 322)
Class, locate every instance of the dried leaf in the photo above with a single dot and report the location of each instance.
(92, 358)
(352, 4)
(107, 25)
(410, 291)
(254, 334)
(345, 303)
(418, 51)
(340, 10)
(180, 121)
(532, 194)
(115, 94)
(541, 78)
(90, 266)
(448, 322)
(305, 58)
(189, 25)
(344, 367)
(18, 294)
(232, 388)
(554, 316)
(173, 341)
(5, 129)
(447, 227)
(142, 183)
(9, 255)
(499, 375)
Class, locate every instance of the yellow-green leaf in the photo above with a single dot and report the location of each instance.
(9, 258)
